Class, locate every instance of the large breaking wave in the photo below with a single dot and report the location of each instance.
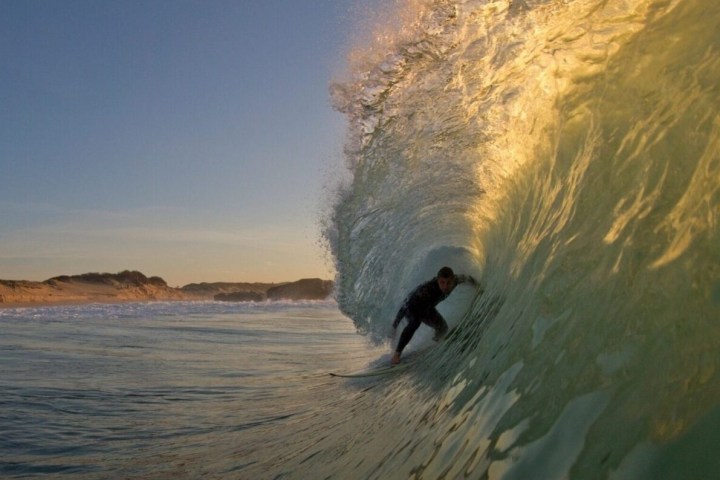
(567, 153)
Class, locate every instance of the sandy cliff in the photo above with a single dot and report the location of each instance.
(88, 288)
(129, 286)
(306, 289)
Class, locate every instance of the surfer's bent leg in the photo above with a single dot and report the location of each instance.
(400, 315)
(438, 323)
(407, 334)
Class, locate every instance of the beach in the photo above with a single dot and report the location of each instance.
(133, 286)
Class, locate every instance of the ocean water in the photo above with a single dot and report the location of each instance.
(171, 390)
(567, 153)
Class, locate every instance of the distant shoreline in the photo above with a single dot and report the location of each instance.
(133, 286)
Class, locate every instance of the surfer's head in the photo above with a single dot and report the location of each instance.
(446, 279)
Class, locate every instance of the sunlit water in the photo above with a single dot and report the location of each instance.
(568, 154)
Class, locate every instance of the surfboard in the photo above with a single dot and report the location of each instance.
(374, 372)
(386, 368)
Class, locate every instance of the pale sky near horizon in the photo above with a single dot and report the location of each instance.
(191, 140)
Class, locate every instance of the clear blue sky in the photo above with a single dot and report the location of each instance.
(186, 139)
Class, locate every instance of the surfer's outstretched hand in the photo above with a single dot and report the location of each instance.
(477, 285)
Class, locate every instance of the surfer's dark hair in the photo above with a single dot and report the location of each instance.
(446, 272)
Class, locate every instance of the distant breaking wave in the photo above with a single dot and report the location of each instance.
(567, 153)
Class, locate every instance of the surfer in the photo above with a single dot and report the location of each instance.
(419, 307)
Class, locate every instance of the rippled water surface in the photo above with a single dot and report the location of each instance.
(165, 390)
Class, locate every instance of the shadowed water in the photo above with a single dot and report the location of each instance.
(165, 390)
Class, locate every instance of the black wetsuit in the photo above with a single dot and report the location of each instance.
(419, 307)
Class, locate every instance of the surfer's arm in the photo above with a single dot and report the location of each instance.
(466, 279)
(470, 280)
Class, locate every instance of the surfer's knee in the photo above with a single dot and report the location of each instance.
(440, 331)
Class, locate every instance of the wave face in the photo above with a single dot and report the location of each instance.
(567, 153)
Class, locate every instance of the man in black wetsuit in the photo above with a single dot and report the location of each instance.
(419, 307)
